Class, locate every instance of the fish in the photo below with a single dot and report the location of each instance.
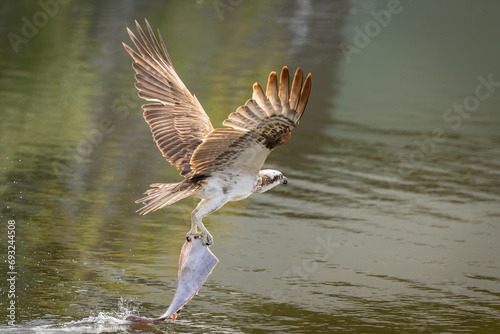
(196, 263)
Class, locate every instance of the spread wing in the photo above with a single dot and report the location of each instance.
(177, 120)
(263, 123)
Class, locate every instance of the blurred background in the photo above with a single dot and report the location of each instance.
(390, 220)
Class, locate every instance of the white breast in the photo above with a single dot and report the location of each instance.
(235, 186)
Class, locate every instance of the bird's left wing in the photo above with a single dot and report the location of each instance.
(176, 118)
(259, 126)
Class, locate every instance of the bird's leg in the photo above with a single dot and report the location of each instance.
(193, 232)
(204, 208)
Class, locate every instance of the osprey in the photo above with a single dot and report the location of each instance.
(218, 165)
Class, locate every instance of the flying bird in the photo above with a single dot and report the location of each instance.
(218, 165)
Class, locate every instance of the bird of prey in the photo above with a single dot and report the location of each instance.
(218, 165)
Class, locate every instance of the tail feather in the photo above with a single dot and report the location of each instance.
(164, 194)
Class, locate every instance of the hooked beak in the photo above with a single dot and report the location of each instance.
(283, 180)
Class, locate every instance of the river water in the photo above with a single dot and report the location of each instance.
(389, 222)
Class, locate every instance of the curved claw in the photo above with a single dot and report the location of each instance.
(192, 236)
(209, 240)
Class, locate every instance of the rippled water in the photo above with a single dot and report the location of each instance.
(389, 223)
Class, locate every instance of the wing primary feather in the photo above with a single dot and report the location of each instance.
(304, 96)
(272, 92)
(137, 44)
(131, 52)
(284, 91)
(146, 66)
(145, 39)
(262, 100)
(296, 89)
(159, 62)
(155, 42)
(136, 56)
(165, 51)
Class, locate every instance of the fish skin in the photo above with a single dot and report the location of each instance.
(196, 263)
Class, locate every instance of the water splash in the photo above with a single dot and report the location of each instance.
(103, 322)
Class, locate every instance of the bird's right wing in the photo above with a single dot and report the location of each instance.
(177, 120)
(258, 127)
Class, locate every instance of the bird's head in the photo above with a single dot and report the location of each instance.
(270, 178)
